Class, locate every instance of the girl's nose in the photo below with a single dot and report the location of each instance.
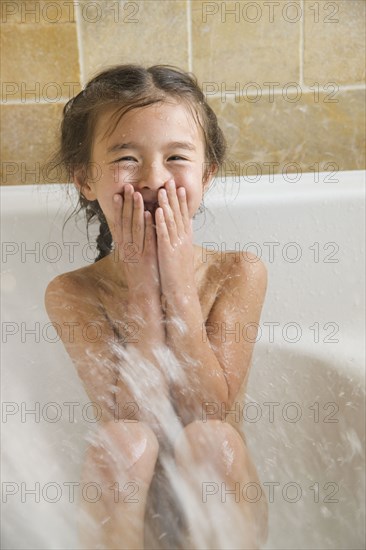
(153, 177)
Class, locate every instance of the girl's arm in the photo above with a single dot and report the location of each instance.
(67, 305)
(215, 361)
(110, 373)
(118, 370)
(216, 355)
(135, 256)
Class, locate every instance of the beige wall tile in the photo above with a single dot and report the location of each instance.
(229, 48)
(305, 132)
(44, 62)
(335, 41)
(29, 138)
(146, 32)
(42, 48)
(43, 12)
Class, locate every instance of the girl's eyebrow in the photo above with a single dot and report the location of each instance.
(182, 145)
(131, 145)
(119, 146)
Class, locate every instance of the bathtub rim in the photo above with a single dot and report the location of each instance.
(221, 192)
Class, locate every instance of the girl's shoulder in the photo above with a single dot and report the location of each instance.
(222, 264)
(81, 276)
(72, 287)
(224, 276)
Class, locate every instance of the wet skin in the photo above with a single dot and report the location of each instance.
(148, 148)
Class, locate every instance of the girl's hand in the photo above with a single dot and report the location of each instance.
(135, 242)
(136, 251)
(175, 242)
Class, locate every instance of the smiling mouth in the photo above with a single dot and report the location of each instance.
(151, 207)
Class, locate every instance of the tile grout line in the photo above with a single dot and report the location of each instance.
(189, 34)
(79, 42)
(302, 45)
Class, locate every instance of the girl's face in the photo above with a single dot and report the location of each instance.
(149, 146)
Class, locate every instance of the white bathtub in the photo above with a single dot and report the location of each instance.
(304, 413)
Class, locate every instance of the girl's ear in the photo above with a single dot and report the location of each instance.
(82, 184)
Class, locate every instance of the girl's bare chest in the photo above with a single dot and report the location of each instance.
(113, 298)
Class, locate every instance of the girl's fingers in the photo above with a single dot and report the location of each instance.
(150, 237)
(162, 232)
(117, 219)
(182, 198)
(148, 224)
(167, 219)
(175, 206)
(138, 224)
(127, 214)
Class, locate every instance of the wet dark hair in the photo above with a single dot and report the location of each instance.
(128, 87)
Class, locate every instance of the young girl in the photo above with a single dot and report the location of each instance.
(142, 146)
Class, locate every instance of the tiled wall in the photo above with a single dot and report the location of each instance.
(286, 78)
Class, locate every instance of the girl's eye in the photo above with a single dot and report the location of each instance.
(176, 157)
(128, 159)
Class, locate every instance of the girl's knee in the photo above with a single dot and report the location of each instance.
(123, 444)
(214, 440)
(215, 451)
